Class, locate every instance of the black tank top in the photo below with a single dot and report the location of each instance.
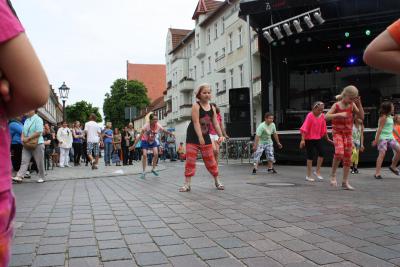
(205, 119)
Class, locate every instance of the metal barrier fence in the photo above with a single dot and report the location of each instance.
(236, 149)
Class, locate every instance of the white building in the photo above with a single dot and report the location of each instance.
(52, 111)
(214, 52)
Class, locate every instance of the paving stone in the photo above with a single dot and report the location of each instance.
(81, 228)
(177, 226)
(234, 228)
(134, 230)
(167, 240)
(154, 224)
(141, 248)
(249, 236)
(265, 245)
(189, 233)
(261, 261)
(321, 257)
(230, 242)
(160, 232)
(366, 260)
(188, 260)
(80, 242)
(115, 254)
(151, 258)
(380, 252)
(278, 236)
(199, 242)
(384, 240)
(297, 245)
(217, 234)
(302, 264)
(211, 253)
(285, 256)
(176, 250)
(82, 252)
(107, 228)
(51, 249)
(122, 263)
(138, 238)
(352, 242)
(245, 252)
(84, 234)
(341, 264)
(84, 262)
(108, 236)
(22, 260)
(117, 243)
(23, 249)
(334, 247)
(49, 260)
(226, 262)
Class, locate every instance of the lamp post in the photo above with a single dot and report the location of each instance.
(64, 90)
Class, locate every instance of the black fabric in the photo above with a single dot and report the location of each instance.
(205, 119)
(77, 152)
(311, 146)
(16, 156)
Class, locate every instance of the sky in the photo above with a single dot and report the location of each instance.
(86, 43)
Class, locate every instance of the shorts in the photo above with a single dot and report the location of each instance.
(269, 152)
(92, 148)
(311, 146)
(147, 145)
(214, 137)
(384, 144)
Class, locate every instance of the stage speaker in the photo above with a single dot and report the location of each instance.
(239, 114)
(238, 129)
(239, 97)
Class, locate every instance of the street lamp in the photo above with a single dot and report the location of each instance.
(64, 90)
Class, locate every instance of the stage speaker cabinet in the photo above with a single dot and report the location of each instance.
(238, 129)
(239, 97)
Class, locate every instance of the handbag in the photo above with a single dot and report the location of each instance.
(32, 143)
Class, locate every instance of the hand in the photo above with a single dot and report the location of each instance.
(374, 143)
(280, 146)
(357, 101)
(221, 139)
(4, 89)
(342, 115)
(302, 144)
(226, 137)
(362, 148)
(201, 141)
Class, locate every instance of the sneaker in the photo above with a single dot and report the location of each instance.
(27, 175)
(143, 176)
(272, 171)
(154, 172)
(18, 179)
(378, 177)
(319, 177)
(309, 179)
(254, 171)
(61, 166)
(356, 171)
(67, 166)
(353, 171)
(40, 181)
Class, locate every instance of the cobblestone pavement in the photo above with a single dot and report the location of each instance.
(127, 221)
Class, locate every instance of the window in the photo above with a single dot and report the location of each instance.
(224, 85)
(223, 51)
(216, 30)
(240, 37)
(195, 72)
(208, 36)
(230, 43)
(217, 87)
(216, 56)
(197, 41)
(190, 50)
(223, 26)
(209, 64)
(241, 75)
(191, 73)
(231, 77)
(202, 68)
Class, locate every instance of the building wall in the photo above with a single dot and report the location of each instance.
(51, 110)
(216, 54)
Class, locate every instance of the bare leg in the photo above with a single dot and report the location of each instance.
(335, 165)
(270, 165)
(346, 171)
(155, 158)
(309, 168)
(319, 165)
(396, 158)
(216, 151)
(379, 161)
(144, 160)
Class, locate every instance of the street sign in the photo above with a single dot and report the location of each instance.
(130, 113)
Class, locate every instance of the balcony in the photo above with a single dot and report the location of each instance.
(169, 94)
(185, 111)
(220, 63)
(256, 87)
(182, 65)
(186, 86)
(168, 118)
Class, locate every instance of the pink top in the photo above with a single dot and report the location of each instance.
(150, 133)
(10, 26)
(343, 125)
(212, 129)
(314, 128)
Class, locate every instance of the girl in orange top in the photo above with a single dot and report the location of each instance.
(384, 51)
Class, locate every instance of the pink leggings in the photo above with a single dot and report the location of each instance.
(343, 147)
(7, 213)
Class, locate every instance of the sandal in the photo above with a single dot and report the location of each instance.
(333, 181)
(347, 186)
(395, 171)
(185, 188)
(219, 186)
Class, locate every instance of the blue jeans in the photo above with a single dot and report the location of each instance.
(172, 152)
(108, 148)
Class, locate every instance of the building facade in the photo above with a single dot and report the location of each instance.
(52, 111)
(216, 52)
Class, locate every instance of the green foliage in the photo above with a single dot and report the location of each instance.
(124, 94)
(80, 111)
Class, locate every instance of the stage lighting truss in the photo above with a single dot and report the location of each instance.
(296, 22)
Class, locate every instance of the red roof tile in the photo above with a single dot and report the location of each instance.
(205, 6)
(177, 36)
(152, 75)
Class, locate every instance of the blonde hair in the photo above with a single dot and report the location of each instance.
(200, 88)
(108, 124)
(350, 90)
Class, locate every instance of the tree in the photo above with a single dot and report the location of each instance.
(80, 111)
(124, 94)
